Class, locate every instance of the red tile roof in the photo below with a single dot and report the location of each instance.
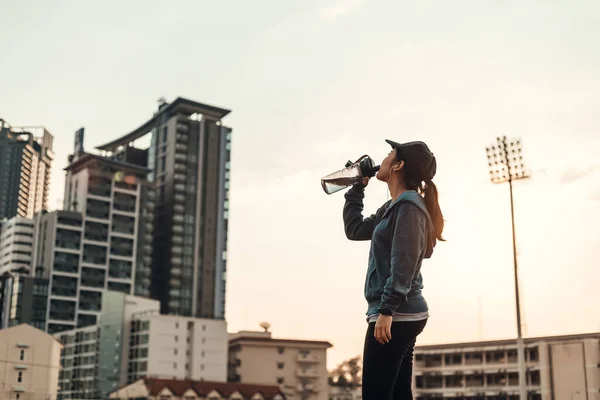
(203, 388)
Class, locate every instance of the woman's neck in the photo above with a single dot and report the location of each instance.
(396, 188)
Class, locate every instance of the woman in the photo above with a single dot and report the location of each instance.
(403, 232)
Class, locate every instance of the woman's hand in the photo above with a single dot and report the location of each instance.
(365, 181)
(383, 328)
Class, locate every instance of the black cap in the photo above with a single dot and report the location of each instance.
(420, 161)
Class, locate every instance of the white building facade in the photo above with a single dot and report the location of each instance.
(558, 367)
(132, 340)
(16, 245)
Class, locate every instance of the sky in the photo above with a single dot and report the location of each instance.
(312, 84)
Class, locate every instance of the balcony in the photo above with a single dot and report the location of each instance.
(93, 254)
(66, 267)
(123, 224)
(61, 310)
(96, 231)
(92, 277)
(126, 186)
(182, 128)
(64, 286)
(119, 269)
(307, 373)
(119, 287)
(68, 220)
(90, 300)
(98, 186)
(308, 359)
(97, 209)
(121, 247)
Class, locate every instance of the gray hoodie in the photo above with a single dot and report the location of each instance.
(401, 234)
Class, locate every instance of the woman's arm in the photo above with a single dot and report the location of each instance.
(355, 226)
(408, 240)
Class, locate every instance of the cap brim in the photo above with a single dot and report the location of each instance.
(395, 145)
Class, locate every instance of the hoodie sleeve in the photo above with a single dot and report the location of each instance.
(355, 226)
(408, 241)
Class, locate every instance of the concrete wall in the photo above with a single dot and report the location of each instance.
(29, 363)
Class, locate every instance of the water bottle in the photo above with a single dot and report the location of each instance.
(354, 172)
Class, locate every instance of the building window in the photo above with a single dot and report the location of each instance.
(280, 381)
(280, 365)
(20, 377)
(280, 350)
(22, 355)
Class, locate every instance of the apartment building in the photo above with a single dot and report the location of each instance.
(189, 161)
(26, 155)
(23, 300)
(57, 255)
(117, 205)
(132, 340)
(16, 244)
(558, 367)
(29, 364)
(166, 346)
(299, 367)
(79, 362)
(171, 389)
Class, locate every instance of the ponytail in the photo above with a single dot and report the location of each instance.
(430, 195)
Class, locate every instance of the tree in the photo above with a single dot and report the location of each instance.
(348, 374)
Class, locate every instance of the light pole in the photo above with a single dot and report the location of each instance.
(505, 161)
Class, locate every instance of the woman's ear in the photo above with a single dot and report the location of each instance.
(398, 166)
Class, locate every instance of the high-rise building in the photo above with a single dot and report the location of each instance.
(132, 340)
(101, 241)
(299, 367)
(16, 244)
(188, 158)
(26, 155)
(558, 367)
(23, 300)
(117, 204)
(29, 364)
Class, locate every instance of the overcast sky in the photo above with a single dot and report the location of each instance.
(315, 83)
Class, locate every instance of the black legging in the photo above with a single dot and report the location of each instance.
(387, 369)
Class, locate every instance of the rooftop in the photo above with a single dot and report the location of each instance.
(509, 342)
(203, 388)
(179, 106)
(266, 338)
(85, 159)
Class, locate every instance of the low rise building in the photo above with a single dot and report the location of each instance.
(171, 389)
(558, 367)
(299, 367)
(133, 341)
(29, 364)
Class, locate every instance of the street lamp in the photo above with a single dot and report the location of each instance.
(505, 161)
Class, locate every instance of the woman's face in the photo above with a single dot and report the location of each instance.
(388, 162)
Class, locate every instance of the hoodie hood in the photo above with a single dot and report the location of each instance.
(415, 198)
